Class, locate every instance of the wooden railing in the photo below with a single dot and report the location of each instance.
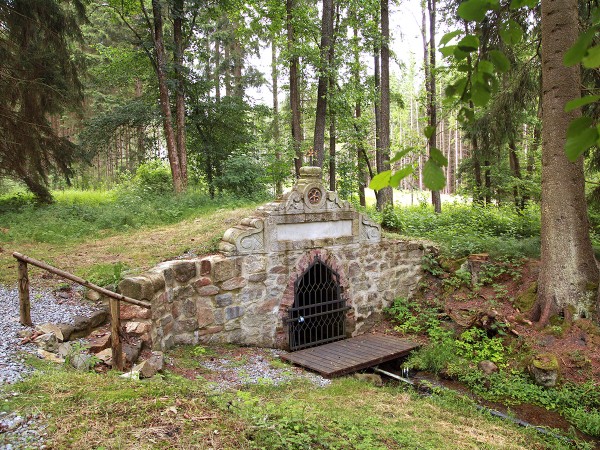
(114, 301)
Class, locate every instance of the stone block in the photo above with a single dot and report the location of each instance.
(205, 317)
(211, 330)
(137, 327)
(254, 264)
(257, 277)
(185, 339)
(234, 283)
(201, 282)
(185, 325)
(233, 312)
(225, 269)
(210, 289)
(139, 288)
(184, 270)
(219, 315)
(278, 269)
(129, 312)
(223, 300)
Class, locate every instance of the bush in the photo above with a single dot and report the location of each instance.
(243, 177)
(154, 177)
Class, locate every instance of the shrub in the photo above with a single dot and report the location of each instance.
(154, 177)
(243, 177)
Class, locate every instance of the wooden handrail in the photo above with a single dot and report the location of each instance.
(78, 280)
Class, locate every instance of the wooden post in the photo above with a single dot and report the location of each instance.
(24, 303)
(115, 337)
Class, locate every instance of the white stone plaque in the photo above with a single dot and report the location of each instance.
(313, 230)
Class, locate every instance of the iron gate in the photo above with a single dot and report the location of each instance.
(318, 315)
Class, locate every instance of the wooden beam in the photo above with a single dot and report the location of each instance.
(115, 334)
(76, 279)
(24, 303)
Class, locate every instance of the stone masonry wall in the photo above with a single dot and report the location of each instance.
(244, 299)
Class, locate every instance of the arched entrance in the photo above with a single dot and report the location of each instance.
(318, 314)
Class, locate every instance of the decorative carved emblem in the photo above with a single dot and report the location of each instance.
(314, 196)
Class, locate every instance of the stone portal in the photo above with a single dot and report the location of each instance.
(248, 292)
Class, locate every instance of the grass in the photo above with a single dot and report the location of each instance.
(91, 411)
(101, 235)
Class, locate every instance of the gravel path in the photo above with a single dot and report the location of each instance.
(17, 432)
(45, 307)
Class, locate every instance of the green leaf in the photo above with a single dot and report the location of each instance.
(579, 102)
(438, 157)
(578, 51)
(576, 145)
(428, 132)
(485, 67)
(400, 175)
(516, 4)
(592, 60)
(433, 176)
(469, 43)
(473, 10)
(449, 36)
(448, 50)
(380, 180)
(500, 60)
(459, 54)
(511, 32)
(480, 94)
(401, 154)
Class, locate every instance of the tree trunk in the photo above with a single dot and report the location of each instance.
(515, 168)
(568, 274)
(386, 195)
(377, 111)
(297, 135)
(357, 114)
(217, 70)
(431, 106)
(178, 16)
(321, 113)
(276, 132)
(159, 49)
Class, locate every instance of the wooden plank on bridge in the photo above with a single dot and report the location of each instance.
(350, 355)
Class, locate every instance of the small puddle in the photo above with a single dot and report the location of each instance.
(531, 414)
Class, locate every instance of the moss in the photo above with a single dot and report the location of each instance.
(545, 361)
(452, 265)
(526, 299)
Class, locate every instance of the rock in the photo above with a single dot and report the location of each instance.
(66, 330)
(129, 312)
(150, 367)
(369, 377)
(99, 343)
(84, 325)
(49, 356)
(82, 361)
(487, 367)
(544, 369)
(132, 351)
(25, 334)
(105, 356)
(64, 349)
(92, 295)
(46, 328)
(47, 342)
(133, 375)
(137, 327)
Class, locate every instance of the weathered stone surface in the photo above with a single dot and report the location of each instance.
(139, 288)
(224, 269)
(82, 362)
(234, 283)
(50, 356)
(205, 317)
(47, 342)
(64, 350)
(211, 330)
(185, 325)
(544, 369)
(257, 277)
(184, 270)
(99, 343)
(200, 283)
(223, 300)
(233, 312)
(189, 308)
(151, 366)
(137, 327)
(487, 367)
(84, 325)
(105, 356)
(51, 328)
(92, 295)
(211, 289)
(130, 312)
(182, 293)
(131, 351)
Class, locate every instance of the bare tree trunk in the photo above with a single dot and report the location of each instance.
(568, 277)
(276, 131)
(377, 108)
(357, 114)
(159, 49)
(297, 135)
(515, 168)
(238, 65)
(321, 112)
(431, 104)
(180, 91)
(217, 70)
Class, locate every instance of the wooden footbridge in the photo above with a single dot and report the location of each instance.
(350, 355)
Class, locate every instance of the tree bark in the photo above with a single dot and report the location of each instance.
(178, 16)
(297, 135)
(431, 92)
(386, 195)
(357, 114)
(159, 49)
(515, 168)
(321, 112)
(568, 274)
(276, 131)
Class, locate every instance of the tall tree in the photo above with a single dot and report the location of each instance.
(385, 196)
(324, 75)
(294, 62)
(38, 78)
(568, 271)
(431, 94)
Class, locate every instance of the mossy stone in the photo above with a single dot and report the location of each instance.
(545, 361)
(526, 300)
